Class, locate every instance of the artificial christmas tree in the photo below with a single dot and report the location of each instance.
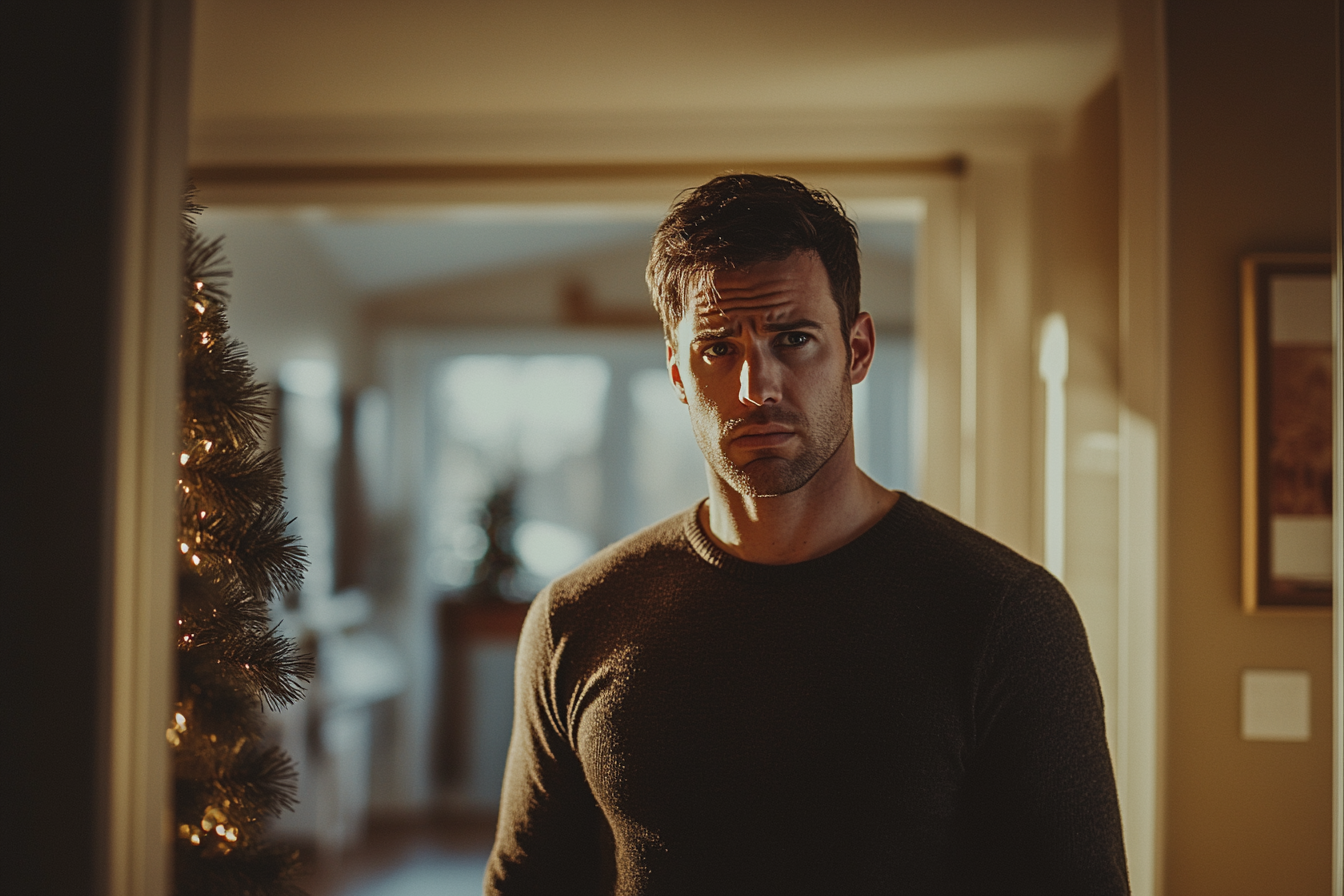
(236, 558)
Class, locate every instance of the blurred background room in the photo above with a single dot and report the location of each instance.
(437, 216)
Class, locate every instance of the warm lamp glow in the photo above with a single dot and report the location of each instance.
(1054, 370)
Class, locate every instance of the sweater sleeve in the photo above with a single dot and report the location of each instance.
(1043, 804)
(550, 832)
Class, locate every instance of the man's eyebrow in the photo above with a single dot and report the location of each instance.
(713, 333)
(800, 324)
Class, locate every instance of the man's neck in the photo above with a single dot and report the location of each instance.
(839, 504)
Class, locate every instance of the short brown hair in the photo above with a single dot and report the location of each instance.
(738, 220)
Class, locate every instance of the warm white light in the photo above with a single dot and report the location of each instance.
(1054, 369)
(196, 559)
(184, 547)
(200, 309)
(183, 458)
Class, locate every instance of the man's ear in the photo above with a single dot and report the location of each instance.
(674, 372)
(862, 343)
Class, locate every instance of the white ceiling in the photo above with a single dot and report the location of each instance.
(429, 58)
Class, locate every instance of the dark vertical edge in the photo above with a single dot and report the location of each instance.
(1337, 727)
(62, 67)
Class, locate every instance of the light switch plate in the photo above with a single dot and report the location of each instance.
(1275, 704)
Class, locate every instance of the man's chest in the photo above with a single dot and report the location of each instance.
(788, 719)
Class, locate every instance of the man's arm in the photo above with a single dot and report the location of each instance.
(549, 836)
(1043, 815)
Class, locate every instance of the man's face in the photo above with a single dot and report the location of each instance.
(766, 375)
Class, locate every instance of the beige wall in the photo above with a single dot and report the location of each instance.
(1252, 169)
(1077, 275)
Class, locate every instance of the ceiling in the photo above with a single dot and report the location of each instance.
(301, 81)
(577, 78)
(260, 58)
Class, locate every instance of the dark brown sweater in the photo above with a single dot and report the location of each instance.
(916, 712)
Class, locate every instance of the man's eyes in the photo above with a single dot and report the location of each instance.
(717, 350)
(790, 339)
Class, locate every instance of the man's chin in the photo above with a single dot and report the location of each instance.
(768, 477)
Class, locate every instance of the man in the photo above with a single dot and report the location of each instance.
(808, 683)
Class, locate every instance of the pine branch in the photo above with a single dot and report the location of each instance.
(204, 264)
(225, 482)
(262, 873)
(258, 553)
(204, 606)
(269, 561)
(223, 401)
(262, 663)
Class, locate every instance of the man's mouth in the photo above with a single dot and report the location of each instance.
(762, 437)
(766, 428)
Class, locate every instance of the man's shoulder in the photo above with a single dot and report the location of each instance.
(657, 550)
(938, 545)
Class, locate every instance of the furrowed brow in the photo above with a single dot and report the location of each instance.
(714, 333)
(800, 324)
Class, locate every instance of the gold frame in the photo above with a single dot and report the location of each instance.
(1257, 270)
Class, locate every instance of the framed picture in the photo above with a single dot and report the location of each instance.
(1287, 432)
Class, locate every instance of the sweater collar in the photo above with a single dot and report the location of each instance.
(838, 560)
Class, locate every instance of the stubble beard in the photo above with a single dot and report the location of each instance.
(769, 477)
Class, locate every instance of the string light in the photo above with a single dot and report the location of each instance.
(183, 458)
(184, 547)
(179, 728)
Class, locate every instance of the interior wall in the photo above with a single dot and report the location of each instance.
(1251, 101)
(286, 300)
(1077, 275)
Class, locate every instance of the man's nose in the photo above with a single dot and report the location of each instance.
(758, 380)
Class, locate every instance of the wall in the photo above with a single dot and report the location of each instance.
(1077, 275)
(1251, 153)
(286, 300)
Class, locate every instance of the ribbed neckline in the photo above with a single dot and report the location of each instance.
(904, 510)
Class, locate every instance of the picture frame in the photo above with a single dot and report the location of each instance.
(1287, 432)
